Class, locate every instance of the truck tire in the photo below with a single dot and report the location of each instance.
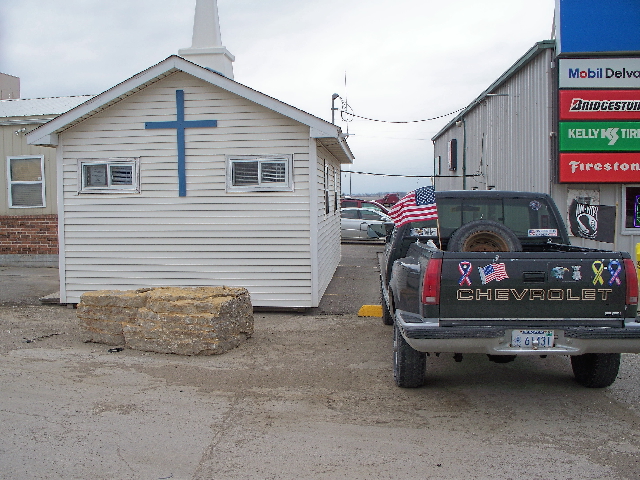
(484, 236)
(387, 317)
(596, 370)
(409, 365)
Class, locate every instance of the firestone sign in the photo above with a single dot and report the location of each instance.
(600, 168)
(599, 72)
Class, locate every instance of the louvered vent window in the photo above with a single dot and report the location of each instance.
(273, 172)
(109, 176)
(121, 174)
(253, 173)
(245, 173)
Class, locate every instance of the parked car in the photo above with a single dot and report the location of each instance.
(389, 199)
(363, 224)
(348, 202)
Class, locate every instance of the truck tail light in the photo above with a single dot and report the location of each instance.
(431, 282)
(632, 281)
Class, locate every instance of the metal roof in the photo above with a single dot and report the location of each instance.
(34, 107)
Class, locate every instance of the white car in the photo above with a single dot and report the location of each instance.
(363, 224)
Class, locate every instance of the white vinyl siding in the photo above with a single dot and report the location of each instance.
(328, 223)
(257, 240)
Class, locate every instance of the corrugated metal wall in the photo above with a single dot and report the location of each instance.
(508, 143)
(511, 145)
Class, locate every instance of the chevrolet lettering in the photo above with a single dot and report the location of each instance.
(533, 294)
(496, 274)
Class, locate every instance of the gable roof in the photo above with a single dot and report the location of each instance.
(328, 134)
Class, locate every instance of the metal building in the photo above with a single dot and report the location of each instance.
(522, 133)
(501, 140)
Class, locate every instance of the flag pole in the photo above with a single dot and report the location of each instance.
(438, 227)
(615, 237)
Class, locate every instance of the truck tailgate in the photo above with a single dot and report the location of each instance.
(534, 289)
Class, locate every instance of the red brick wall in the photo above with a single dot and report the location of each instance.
(29, 235)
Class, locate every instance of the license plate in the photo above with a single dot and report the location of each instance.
(532, 339)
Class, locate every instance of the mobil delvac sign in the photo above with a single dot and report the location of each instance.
(599, 72)
(599, 120)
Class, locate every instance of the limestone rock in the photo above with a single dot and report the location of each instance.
(186, 321)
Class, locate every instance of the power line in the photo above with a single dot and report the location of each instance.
(387, 174)
(408, 176)
(344, 112)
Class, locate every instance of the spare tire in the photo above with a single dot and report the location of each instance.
(484, 236)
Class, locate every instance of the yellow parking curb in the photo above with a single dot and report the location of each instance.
(370, 311)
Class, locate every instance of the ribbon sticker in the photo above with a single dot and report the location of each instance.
(598, 268)
(614, 269)
(465, 269)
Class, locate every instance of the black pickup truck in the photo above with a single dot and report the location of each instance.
(502, 278)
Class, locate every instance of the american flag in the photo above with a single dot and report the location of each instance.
(415, 206)
(495, 271)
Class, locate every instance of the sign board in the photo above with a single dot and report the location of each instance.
(600, 168)
(599, 105)
(615, 72)
(608, 136)
(597, 26)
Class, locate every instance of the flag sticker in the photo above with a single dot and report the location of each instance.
(495, 271)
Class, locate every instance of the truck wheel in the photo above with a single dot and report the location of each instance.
(596, 370)
(387, 318)
(409, 365)
(484, 236)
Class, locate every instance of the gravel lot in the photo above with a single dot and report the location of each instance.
(310, 395)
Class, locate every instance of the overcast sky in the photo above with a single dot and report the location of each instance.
(397, 61)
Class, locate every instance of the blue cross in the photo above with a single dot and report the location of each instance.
(180, 125)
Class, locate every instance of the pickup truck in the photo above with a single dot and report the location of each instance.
(496, 274)
(389, 199)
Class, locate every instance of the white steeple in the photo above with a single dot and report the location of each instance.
(206, 46)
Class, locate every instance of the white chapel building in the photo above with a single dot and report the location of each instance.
(181, 176)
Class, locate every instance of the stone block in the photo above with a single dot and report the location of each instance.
(185, 321)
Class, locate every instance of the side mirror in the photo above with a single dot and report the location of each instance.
(389, 228)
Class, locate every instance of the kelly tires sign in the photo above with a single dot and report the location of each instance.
(600, 136)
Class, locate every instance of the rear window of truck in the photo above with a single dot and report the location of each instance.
(528, 218)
